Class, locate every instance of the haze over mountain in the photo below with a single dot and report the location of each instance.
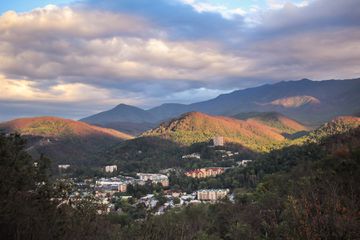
(310, 102)
(63, 140)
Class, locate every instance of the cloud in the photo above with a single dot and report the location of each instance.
(325, 55)
(178, 20)
(29, 90)
(103, 56)
(279, 4)
(52, 21)
(310, 16)
(223, 10)
(62, 99)
(96, 54)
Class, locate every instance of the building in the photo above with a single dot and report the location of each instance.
(63, 166)
(173, 193)
(154, 178)
(192, 156)
(111, 185)
(110, 168)
(122, 187)
(167, 171)
(243, 163)
(205, 172)
(218, 141)
(212, 194)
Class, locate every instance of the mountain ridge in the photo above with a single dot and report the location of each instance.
(274, 119)
(310, 102)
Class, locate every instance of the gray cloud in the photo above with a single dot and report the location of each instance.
(319, 14)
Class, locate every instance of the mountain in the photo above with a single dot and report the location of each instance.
(121, 113)
(310, 102)
(196, 127)
(338, 125)
(63, 140)
(274, 120)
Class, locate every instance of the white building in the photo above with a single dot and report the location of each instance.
(218, 141)
(63, 166)
(110, 168)
(243, 163)
(212, 194)
(193, 155)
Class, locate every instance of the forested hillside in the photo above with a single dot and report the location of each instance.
(64, 141)
(301, 192)
(197, 127)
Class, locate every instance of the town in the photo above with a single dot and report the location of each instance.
(150, 193)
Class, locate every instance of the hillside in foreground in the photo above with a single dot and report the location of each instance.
(196, 127)
(63, 140)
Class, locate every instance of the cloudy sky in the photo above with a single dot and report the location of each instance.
(75, 58)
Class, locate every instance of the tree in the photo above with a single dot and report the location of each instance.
(31, 205)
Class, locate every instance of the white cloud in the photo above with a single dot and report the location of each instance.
(51, 21)
(223, 10)
(279, 4)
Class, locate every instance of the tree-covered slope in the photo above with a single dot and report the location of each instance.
(299, 192)
(336, 126)
(196, 127)
(64, 140)
(274, 120)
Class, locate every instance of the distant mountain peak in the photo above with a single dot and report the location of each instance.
(121, 113)
(123, 105)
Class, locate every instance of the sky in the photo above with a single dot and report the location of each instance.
(76, 58)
